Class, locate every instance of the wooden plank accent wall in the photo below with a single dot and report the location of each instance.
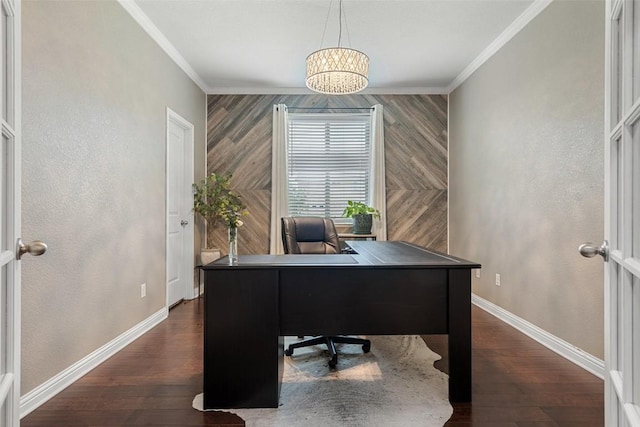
(239, 129)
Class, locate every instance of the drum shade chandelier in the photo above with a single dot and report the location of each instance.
(337, 70)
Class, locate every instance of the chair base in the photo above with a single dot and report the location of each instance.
(330, 342)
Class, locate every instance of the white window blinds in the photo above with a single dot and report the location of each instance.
(329, 162)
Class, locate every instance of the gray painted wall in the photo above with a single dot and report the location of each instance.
(526, 172)
(95, 92)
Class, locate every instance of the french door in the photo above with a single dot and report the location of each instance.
(622, 214)
(10, 195)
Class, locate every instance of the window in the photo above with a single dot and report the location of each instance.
(319, 161)
(328, 162)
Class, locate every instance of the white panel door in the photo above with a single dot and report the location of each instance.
(622, 214)
(180, 261)
(10, 194)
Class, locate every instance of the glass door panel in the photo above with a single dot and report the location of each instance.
(616, 68)
(636, 49)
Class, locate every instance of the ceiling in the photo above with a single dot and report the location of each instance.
(260, 46)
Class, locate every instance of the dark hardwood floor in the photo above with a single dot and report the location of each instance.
(516, 383)
(520, 383)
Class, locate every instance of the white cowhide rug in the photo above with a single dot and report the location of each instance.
(393, 385)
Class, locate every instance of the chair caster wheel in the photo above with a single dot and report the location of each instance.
(366, 348)
(288, 352)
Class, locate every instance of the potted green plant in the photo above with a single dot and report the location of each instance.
(217, 204)
(362, 215)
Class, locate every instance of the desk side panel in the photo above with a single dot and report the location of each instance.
(332, 301)
(460, 335)
(242, 348)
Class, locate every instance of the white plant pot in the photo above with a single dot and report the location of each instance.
(207, 256)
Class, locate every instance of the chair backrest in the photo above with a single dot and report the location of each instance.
(309, 235)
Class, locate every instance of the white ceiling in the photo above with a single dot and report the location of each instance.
(260, 46)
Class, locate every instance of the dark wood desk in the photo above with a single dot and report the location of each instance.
(388, 288)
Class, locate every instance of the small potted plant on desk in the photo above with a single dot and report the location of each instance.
(217, 204)
(362, 215)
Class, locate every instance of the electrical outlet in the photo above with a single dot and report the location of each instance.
(477, 273)
(143, 290)
(498, 280)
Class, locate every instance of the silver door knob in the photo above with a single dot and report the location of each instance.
(184, 223)
(35, 248)
(590, 250)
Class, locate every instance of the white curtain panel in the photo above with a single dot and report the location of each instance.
(377, 188)
(279, 198)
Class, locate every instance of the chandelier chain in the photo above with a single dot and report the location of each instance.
(346, 27)
(340, 24)
(326, 21)
(340, 18)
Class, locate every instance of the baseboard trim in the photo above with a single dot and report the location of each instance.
(568, 351)
(41, 394)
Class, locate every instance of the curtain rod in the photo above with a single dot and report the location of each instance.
(329, 108)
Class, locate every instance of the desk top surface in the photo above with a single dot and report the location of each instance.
(387, 254)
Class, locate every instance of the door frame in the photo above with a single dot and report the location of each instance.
(188, 291)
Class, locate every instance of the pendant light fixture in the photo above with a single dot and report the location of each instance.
(337, 70)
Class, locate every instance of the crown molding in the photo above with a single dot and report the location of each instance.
(306, 91)
(510, 32)
(143, 20)
(418, 90)
(257, 90)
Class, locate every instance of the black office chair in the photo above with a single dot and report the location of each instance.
(315, 235)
